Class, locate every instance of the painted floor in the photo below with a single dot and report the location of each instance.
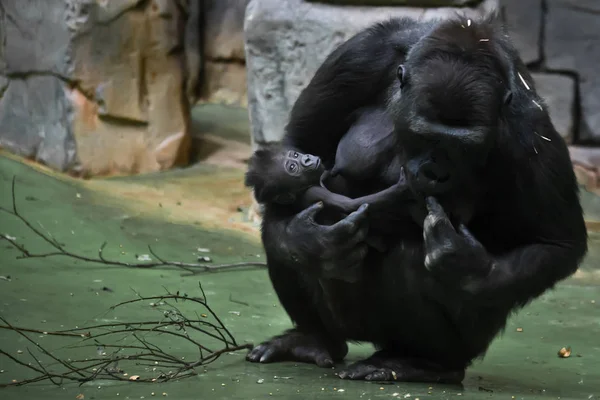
(199, 207)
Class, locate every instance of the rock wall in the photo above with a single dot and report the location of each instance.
(560, 39)
(94, 87)
(224, 79)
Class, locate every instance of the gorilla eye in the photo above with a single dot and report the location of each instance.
(295, 155)
(400, 73)
(292, 167)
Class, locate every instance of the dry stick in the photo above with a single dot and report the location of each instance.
(192, 268)
(82, 371)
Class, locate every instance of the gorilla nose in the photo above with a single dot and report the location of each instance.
(310, 161)
(432, 172)
(429, 177)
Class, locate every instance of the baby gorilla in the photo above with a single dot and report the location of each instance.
(287, 177)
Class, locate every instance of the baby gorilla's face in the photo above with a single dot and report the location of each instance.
(302, 165)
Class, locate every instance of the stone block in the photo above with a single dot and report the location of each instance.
(224, 29)
(524, 21)
(571, 45)
(558, 91)
(287, 40)
(225, 83)
(113, 85)
(35, 121)
(37, 37)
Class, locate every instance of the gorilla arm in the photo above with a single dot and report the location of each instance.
(557, 245)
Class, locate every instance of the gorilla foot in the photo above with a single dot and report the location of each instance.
(384, 368)
(301, 347)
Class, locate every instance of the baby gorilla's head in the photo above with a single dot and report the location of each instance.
(279, 175)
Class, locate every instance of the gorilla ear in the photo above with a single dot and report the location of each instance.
(285, 198)
(400, 73)
(507, 97)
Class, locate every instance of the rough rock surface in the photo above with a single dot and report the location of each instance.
(224, 29)
(225, 66)
(287, 40)
(225, 83)
(558, 91)
(572, 44)
(524, 21)
(94, 87)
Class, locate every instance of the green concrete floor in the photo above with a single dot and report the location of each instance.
(521, 364)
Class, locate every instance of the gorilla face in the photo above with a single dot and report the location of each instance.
(446, 110)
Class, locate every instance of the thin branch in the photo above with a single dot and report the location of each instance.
(59, 250)
(124, 362)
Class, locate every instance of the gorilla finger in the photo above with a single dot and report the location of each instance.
(437, 227)
(358, 237)
(355, 372)
(269, 355)
(433, 206)
(310, 212)
(349, 231)
(381, 375)
(256, 353)
(468, 236)
(355, 218)
(324, 361)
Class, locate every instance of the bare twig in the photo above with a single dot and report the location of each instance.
(59, 250)
(142, 361)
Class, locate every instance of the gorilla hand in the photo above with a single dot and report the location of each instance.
(454, 257)
(334, 251)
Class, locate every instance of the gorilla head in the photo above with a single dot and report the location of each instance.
(447, 105)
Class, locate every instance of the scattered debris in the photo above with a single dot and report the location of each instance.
(484, 40)
(5, 278)
(565, 352)
(203, 250)
(144, 257)
(519, 329)
(260, 381)
(204, 259)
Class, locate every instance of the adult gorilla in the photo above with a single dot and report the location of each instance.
(502, 218)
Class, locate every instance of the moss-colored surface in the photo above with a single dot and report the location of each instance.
(126, 212)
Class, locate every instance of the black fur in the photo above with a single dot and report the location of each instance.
(480, 151)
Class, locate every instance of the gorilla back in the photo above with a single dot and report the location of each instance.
(502, 222)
